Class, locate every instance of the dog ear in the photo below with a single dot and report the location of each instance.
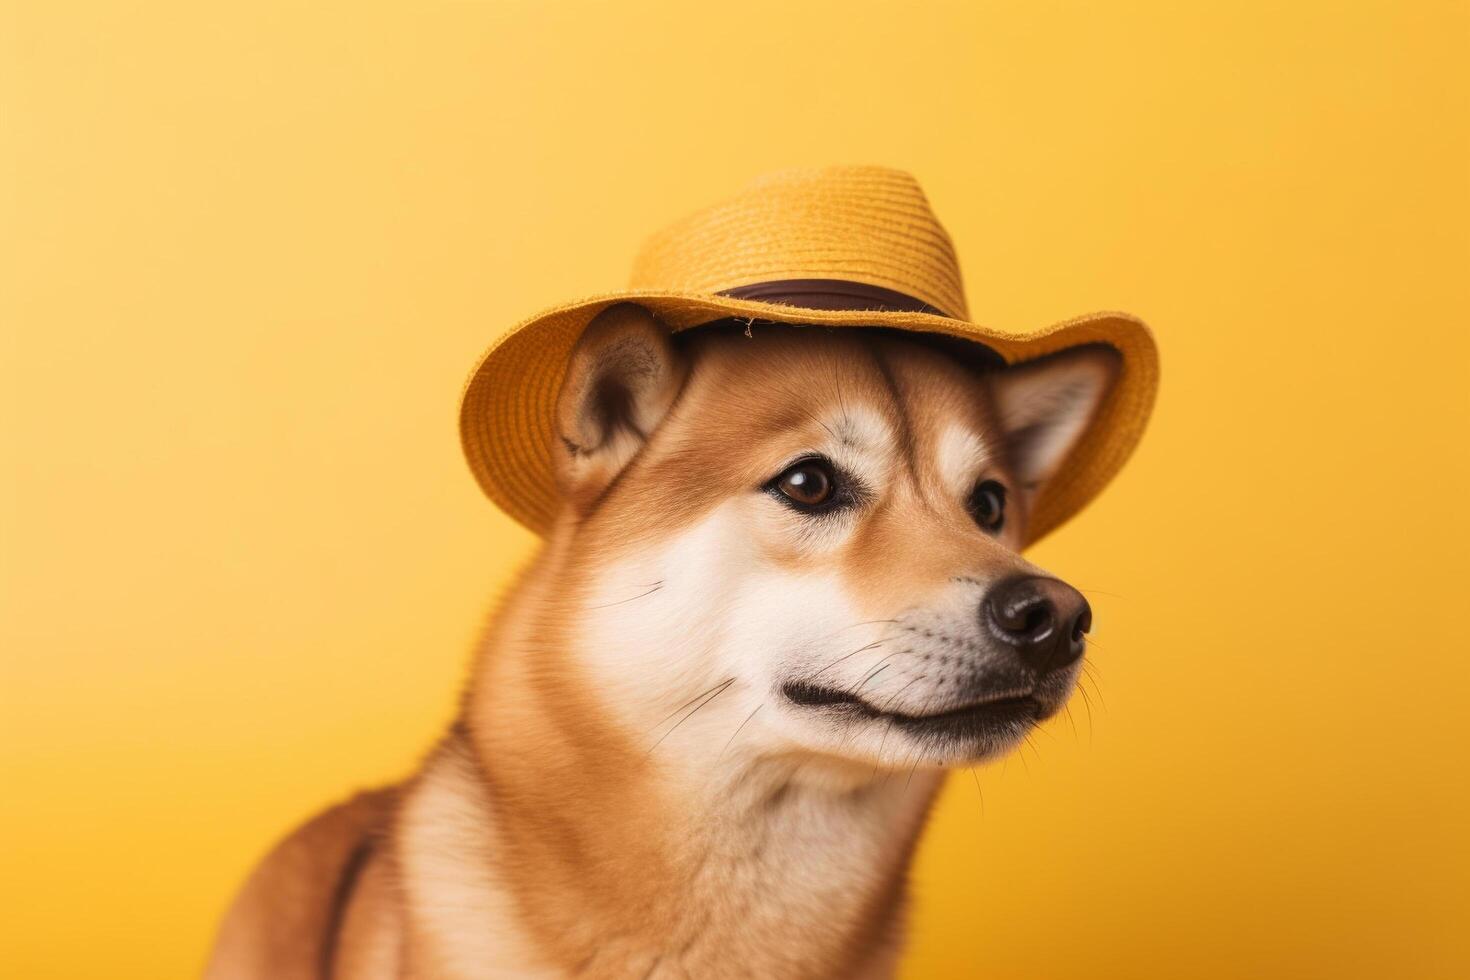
(1045, 405)
(622, 377)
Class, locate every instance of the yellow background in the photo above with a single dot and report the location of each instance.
(248, 256)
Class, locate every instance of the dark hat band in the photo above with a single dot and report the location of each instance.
(831, 294)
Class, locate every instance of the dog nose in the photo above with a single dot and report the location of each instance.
(1044, 620)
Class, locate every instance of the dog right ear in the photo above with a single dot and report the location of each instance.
(621, 380)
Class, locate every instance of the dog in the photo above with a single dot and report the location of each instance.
(703, 732)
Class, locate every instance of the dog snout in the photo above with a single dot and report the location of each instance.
(1043, 619)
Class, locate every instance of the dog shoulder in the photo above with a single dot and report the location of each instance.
(284, 921)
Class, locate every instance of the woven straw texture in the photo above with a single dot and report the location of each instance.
(868, 225)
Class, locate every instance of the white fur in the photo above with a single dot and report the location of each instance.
(665, 630)
(448, 836)
(1050, 402)
(963, 453)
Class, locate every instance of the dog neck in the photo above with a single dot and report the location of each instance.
(563, 849)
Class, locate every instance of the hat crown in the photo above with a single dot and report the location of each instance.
(869, 225)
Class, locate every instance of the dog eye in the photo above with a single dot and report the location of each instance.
(810, 484)
(988, 506)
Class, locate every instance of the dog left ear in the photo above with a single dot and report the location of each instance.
(622, 377)
(1045, 405)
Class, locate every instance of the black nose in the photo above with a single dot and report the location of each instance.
(1043, 619)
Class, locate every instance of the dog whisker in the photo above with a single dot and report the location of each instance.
(1110, 595)
(882, 742)
(913, 770)
(619, 602)
(1021, 753)
(869, 646)
(1086, 703)
(1089, 673)
(813, 416)
(871, 676)
(901, 690)
(717, 692)
(917, 752)
(853, 626)
(975, 773)
(691, 701)
(739, 729)
(881, 665)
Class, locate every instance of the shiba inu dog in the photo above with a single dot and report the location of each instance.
(703, 732)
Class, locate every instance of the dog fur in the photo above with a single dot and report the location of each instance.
(633, 786)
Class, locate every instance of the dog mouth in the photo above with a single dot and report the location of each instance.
(986, 719)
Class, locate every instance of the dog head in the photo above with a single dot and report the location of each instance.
(801, 541)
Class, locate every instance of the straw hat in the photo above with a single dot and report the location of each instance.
(840, 246)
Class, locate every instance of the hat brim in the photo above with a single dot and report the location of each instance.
(509, 400)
